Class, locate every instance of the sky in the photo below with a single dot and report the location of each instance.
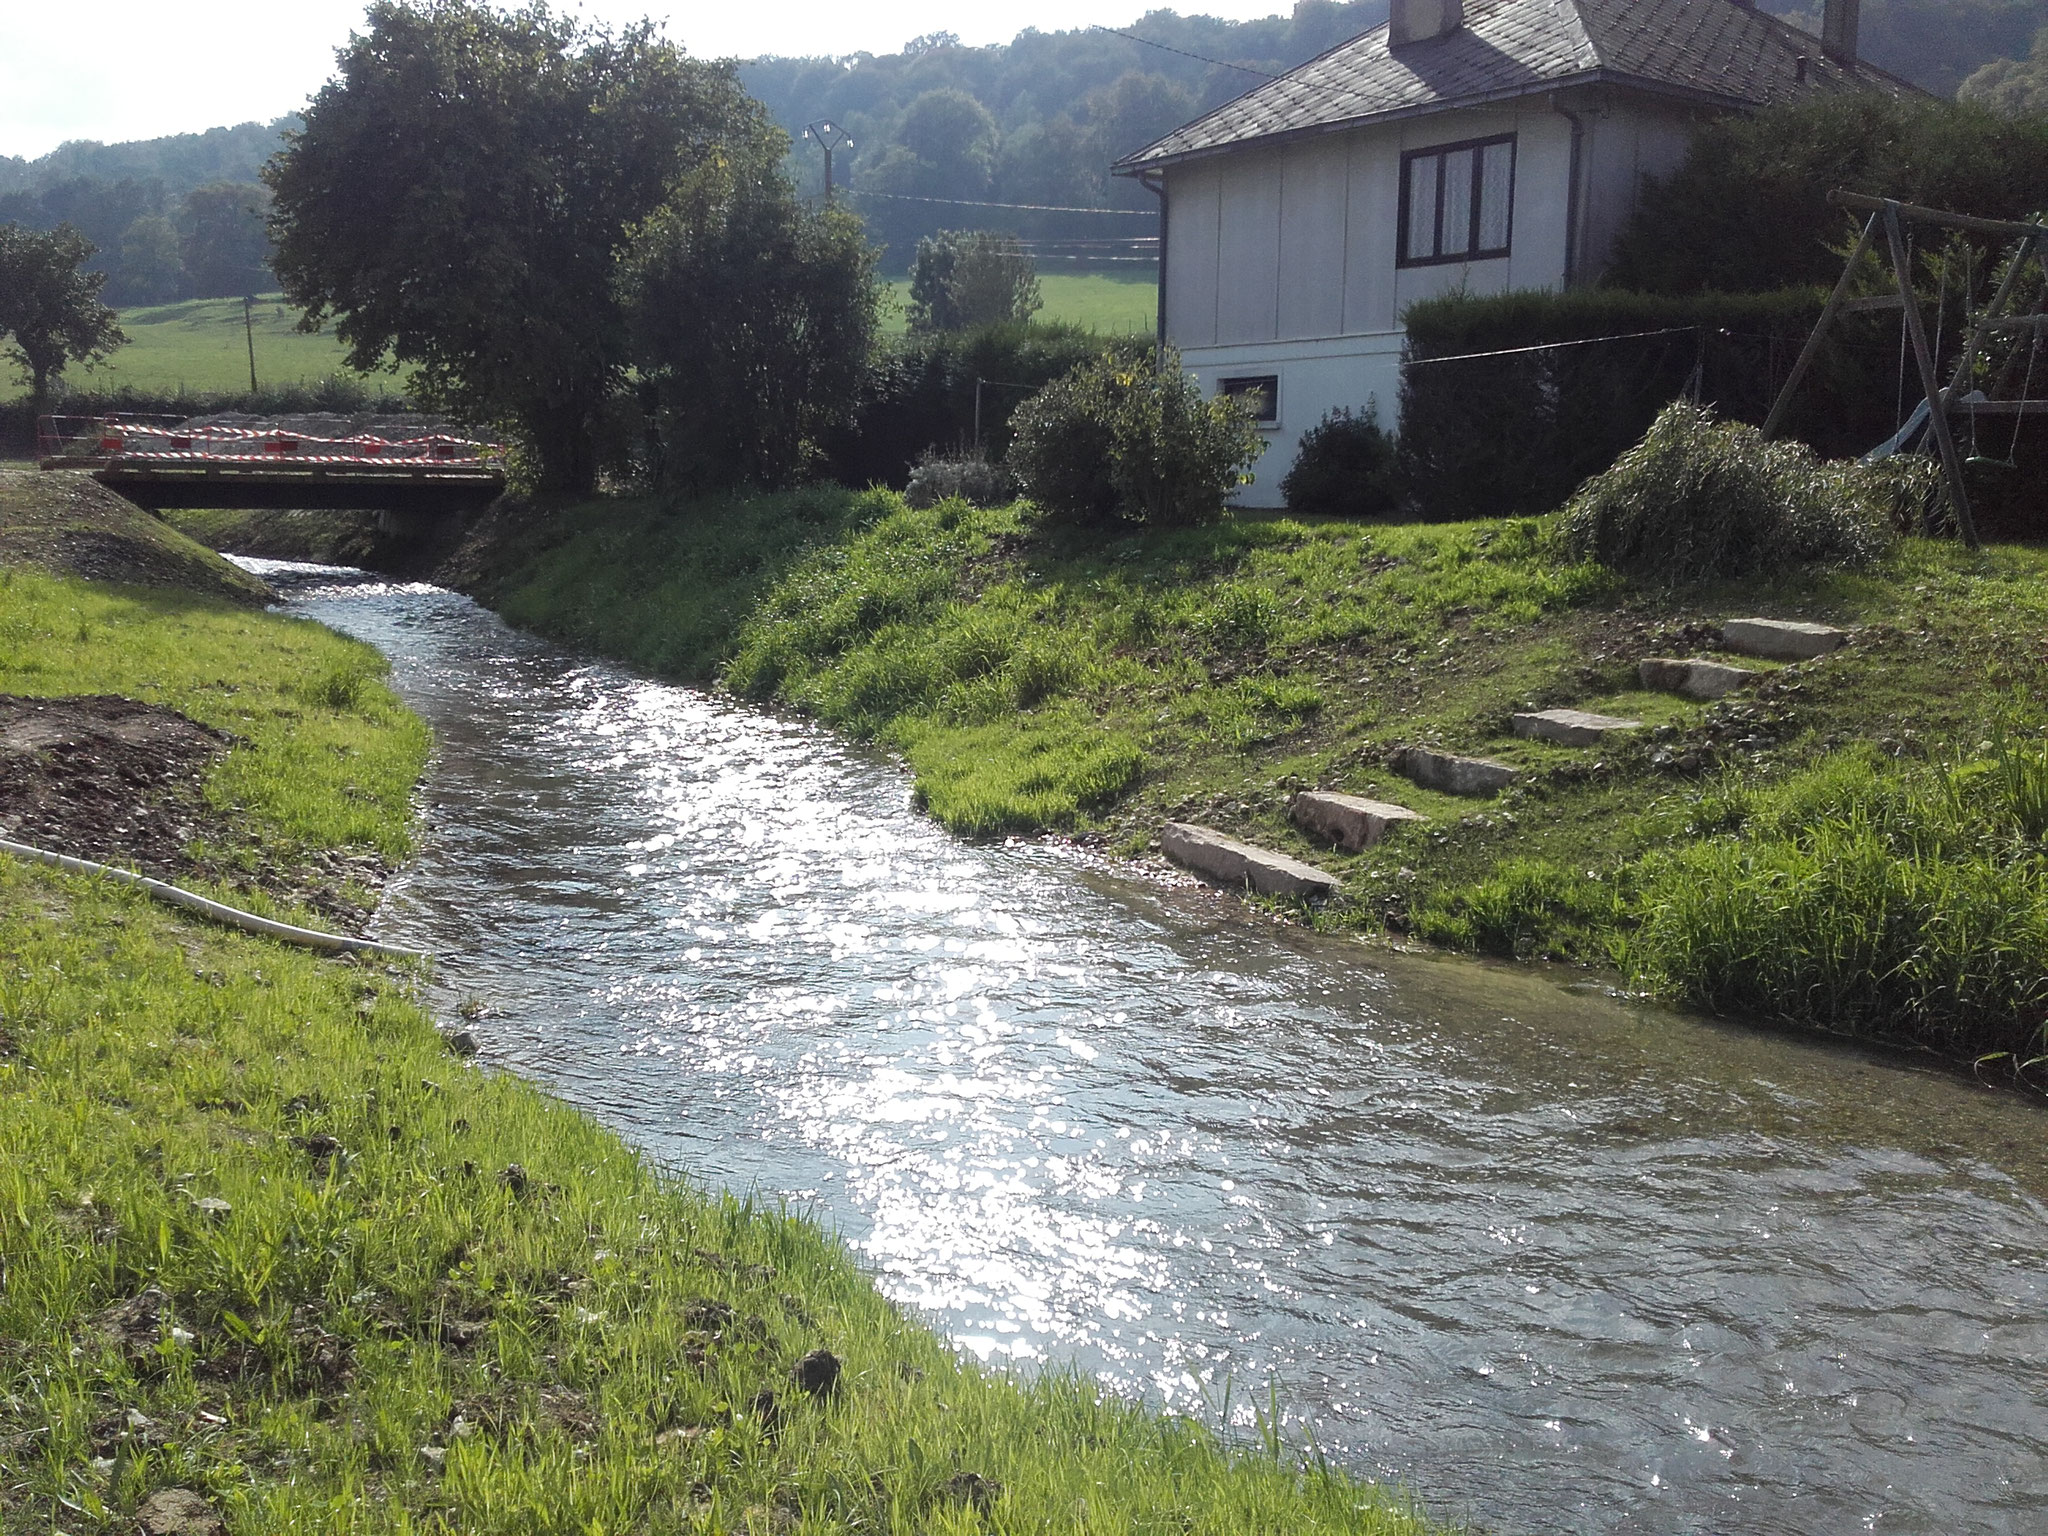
(138, 69)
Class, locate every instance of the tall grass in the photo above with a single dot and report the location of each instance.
(1907, 904)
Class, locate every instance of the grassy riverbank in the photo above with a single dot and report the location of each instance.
(269, 1248)
(1036, 679)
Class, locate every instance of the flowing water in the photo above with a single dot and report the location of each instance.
(1553, 1262)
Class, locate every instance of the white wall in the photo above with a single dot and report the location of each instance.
(1282, 259)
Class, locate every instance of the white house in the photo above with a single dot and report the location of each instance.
(1483, 146)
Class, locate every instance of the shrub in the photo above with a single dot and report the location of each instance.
(965, 278)
(1344, 467)
(1525, 907)
(972, 479)
(1117, 440)
(1700, 498)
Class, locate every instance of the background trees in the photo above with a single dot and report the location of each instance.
(752, 318)
(50, 311)
(967, 278)
(461, 196)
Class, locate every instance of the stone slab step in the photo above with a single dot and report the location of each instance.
(1450, 774)
(1228, 862)
(1570, 727)
(1350, 821)
(1780, 639)
(1694, 677)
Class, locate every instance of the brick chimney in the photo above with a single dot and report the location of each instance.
(1838, 27)
(1417, 21)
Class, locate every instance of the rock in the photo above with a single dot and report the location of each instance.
(463, 1042)
(1451, 774)
(768, 1410)
(1229, 862)
(177, 1512)
(213, 1208)
(817, 1373)
(973, 1490)
(1349, 821)
(515, 1178)
(1780, 639)
(1570, 727)
(1694, 678)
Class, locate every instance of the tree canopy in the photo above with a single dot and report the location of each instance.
(461, 195)
(50, 309)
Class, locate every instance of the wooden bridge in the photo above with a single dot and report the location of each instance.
(161, 462)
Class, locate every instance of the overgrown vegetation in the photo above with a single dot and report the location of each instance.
(1700, 498)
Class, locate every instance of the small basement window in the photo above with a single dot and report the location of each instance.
(1263, 392)
(1457, 201)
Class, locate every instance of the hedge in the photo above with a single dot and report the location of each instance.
(1490, 435)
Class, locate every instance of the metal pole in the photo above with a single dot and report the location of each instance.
(1937, 402)
(977, 415)
(249, 334)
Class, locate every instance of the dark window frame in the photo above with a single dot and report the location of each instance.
(1267, 384)
(1442, 153)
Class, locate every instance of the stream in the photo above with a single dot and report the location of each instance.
(1551, 1261)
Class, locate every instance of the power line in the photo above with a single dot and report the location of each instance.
(1200, 58)
(968, 202)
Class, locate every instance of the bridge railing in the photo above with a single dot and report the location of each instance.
(171, 439)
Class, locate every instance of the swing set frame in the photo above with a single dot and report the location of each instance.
(1890, 215)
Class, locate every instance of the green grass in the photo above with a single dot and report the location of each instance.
(1100, 683)
(198, 347)
(1112, 302)
(325, 755)
(262, 1238)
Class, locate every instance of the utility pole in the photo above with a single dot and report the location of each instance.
(828, 136)
(249, 334)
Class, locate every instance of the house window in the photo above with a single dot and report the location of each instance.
(1263, 392)
(1457, 201)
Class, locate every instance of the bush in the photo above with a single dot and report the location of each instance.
(1524, 908)
(1344, 467)
(1699, 498)
(972, 479)
(918, 394)
(1116, 440)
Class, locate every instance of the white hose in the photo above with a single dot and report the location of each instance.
(234, 917)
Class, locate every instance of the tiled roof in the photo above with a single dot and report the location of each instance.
(1715, 51)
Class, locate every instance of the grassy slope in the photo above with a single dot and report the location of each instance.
(1100, 684)
(405, 1334)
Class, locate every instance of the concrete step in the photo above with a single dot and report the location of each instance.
(1780, 639)
(1349, 821)
(1228, 862)
(1694, 677)
(1450, 774)
(1571, 727)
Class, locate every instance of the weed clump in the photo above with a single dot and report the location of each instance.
(1700, 498)
(1115, 440)
(1345, 467)
(1526, 907)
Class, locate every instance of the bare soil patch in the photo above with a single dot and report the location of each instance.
(65, 521)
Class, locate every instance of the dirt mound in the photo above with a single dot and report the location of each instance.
(114, 780)
(66, 521)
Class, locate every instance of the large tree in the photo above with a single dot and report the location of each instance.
(223, 242)
(50, 309)
(462, 193)
(752, 318)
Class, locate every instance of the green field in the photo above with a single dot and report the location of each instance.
(198, 347)
(1103, 301)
